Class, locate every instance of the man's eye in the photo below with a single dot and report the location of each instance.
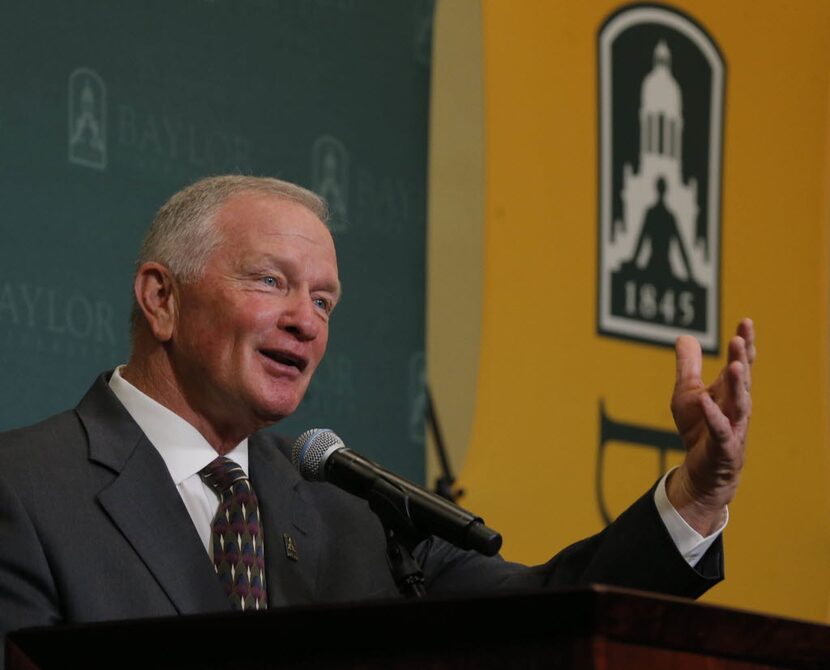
(323, 304)
(270, 281)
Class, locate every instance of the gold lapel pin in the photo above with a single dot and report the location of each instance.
(290, 549)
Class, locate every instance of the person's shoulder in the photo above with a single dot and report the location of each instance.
(42, 451)
(51, 438)
(49, 430)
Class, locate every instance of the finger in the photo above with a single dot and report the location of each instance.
(741, 401)
(731, 394)
(738, 353)
(689, 362)
(746, 330)
(719, 425)
(726, 443)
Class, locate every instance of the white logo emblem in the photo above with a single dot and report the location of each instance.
(330, 179)
(87, 119)
(661, 102)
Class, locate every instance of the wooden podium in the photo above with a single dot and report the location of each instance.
(598, 628)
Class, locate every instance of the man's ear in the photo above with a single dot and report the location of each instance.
(156, 294)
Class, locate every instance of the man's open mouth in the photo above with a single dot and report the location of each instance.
(285, 358)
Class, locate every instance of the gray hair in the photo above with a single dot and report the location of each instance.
(183, 236)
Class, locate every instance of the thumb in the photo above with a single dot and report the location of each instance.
(689, 361)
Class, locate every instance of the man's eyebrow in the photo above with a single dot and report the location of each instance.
(263, 257)
(273, 260)
(336, 289)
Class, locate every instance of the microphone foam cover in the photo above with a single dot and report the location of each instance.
(310, 451)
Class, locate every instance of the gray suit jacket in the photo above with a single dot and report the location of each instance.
(92, 528)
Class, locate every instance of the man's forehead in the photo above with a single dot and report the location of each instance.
(273, 215)
(278, 232)
(291, 233)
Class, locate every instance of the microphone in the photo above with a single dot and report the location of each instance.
(320, 456)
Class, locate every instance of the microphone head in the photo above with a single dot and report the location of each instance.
(312, 449)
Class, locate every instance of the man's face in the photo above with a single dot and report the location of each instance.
(250, 334)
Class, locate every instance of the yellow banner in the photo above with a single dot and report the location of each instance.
(652, 171)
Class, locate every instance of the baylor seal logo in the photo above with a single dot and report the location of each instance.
(87, 119)
(661, 83)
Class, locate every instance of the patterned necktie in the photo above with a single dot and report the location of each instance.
(238, 543)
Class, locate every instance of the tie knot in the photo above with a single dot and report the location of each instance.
(221, 474)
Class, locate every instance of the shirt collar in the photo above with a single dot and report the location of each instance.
(184, 450)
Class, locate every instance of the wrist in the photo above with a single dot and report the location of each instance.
(706, 513)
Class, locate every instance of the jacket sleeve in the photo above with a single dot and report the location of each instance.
(635, 551)
(27, 592)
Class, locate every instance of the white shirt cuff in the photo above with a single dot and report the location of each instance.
(691, 544)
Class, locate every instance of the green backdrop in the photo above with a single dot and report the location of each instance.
(107, 108)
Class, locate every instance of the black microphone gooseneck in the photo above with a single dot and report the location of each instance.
(408, 512)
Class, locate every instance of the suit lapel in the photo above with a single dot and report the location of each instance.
(292, 526)
(143, 503)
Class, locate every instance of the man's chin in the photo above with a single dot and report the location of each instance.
(274, 400)
(270, 413)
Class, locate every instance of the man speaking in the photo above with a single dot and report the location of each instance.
(159, 494)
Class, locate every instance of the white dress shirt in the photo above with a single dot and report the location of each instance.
(185, 452)
(691, 544)
(183, 449)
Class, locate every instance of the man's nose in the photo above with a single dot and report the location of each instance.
(299, 316)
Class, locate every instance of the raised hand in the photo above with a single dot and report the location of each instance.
(713, 422)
